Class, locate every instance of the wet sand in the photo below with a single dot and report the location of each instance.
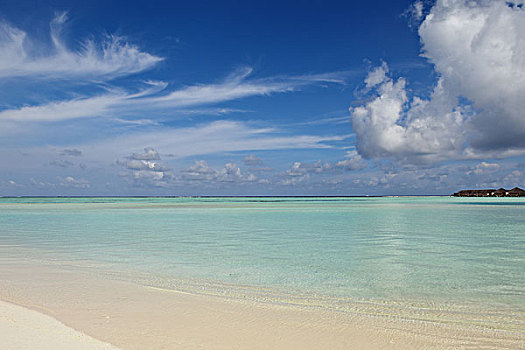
(133, 316)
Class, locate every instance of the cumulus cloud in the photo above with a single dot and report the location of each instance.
(301, 172)
(299, 168)
(70, 181)
(23, 56)
(11, 183)
(476, 108)
(202, 172)
(376, 76)
(252, 160)
(232, 173)
(353, 162)
(144, 169)
(391, 126)
(295, 175)
(149, 154)
(483, 168)
(39, 183)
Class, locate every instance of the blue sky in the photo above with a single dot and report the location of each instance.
(266, 98)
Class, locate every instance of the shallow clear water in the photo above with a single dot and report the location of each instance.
(435, 249)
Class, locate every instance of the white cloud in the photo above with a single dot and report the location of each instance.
(391, 126)
(415, 13)
(12, 183)
(353, 162)
(70, 181)
(301, 172)
(56, 111)
(232, 173)
(483, 168)
(376, 76)
(318, 167)
(20, 56)
(144, 165)
(478, 51)
(38, 183)
(149, 154)
(418, 9)
(215, 137)
(144, 169)
(514, 179)
(151, 173)
(237, 85)
(252, 160)
(150, 99)
(103, 105)
(202, 172)
(331, 120)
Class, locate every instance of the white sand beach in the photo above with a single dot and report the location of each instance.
(133, 316)
(22, 329)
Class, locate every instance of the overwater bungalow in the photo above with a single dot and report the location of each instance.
(500, 192)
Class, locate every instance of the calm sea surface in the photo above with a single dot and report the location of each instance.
(419, 249)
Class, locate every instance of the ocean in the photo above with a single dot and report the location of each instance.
(385, 255)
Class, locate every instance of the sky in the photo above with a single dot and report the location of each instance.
(261, 98)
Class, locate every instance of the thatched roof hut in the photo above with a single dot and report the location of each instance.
(516, 192)
(500, 192)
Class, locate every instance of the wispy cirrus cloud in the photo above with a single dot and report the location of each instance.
(111, 57)
(102, 105)
(100, 61)
(235, 86)
(62, 110)
(156, 97)
(209, 138)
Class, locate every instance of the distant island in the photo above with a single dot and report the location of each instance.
(501, 192)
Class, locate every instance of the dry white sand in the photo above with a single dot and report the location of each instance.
(23, 329)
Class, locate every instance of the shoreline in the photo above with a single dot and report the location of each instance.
(22, 328)
(133, 316)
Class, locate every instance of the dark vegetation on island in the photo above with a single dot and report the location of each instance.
(501, 192)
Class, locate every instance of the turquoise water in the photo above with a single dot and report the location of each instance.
(425, 249)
